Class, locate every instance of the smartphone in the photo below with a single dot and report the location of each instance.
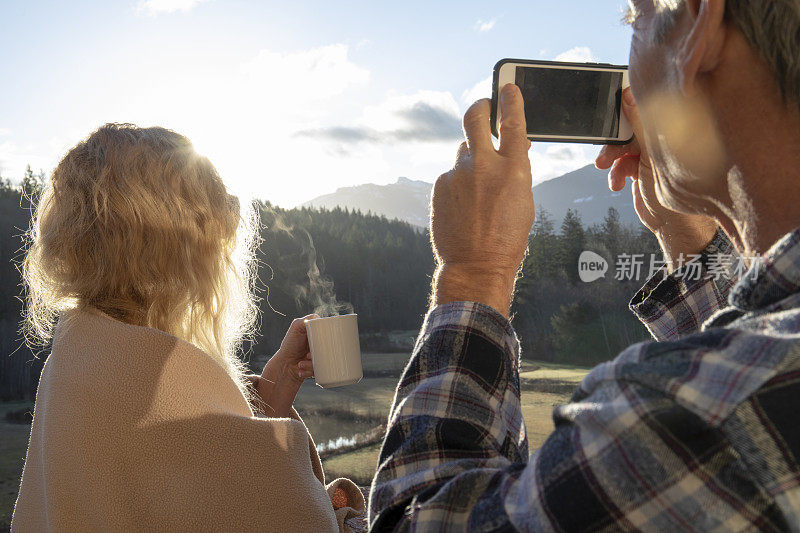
(567, 102)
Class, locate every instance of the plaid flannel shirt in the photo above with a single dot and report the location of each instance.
(697, 432)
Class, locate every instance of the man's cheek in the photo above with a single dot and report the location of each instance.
(688, 141)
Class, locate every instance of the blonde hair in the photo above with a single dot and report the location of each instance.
(136, 224)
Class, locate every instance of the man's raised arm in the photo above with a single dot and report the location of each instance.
(460, 392)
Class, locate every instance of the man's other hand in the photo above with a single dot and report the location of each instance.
(677, 233)
(482, 210)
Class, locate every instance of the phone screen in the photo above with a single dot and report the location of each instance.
(571, 102)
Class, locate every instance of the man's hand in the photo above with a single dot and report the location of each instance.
(286, 371)
(677, 233)
(482, 210)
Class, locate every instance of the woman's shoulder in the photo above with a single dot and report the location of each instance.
(86, 332)
(100, 360)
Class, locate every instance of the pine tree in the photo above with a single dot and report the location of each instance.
(31, 183)
(573, 243)
(612, 234)
(542, 257)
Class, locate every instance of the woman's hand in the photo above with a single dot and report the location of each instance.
(286, 370)
(677, 233)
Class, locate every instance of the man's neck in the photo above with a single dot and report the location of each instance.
(763, 197)
(761, 135)
(764, 188)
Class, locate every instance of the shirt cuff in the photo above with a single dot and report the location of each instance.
(675, 304)
(475, 318)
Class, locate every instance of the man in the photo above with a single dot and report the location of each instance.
(698, 431)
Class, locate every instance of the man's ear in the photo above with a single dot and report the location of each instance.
(701, 48)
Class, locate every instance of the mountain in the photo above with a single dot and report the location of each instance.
(585, 190)
(405, 200)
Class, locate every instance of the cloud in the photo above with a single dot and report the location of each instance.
(482, 26)
(314, 74)
(482, 89)
(565, 153)
(429, 123)
(156, 7)
(424, 117)
(4, 131)
(14, 158)
(552, 160)
(579, 54)
(344, 134)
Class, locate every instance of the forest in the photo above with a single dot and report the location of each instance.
(335, 261)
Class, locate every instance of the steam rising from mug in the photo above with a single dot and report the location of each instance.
(318, 292)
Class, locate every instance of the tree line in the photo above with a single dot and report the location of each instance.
(562, 319)
(338, 261)
(19, 368)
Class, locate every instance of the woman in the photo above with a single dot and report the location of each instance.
(140, 269)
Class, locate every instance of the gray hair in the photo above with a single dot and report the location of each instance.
(772, 27)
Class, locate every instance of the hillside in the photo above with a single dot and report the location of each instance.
(405, 200)
(584, 190)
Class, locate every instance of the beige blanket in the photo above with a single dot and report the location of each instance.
(136, 430)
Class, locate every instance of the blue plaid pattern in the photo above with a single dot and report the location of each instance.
(698, 432)
(677, 305)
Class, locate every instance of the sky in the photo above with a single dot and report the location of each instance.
(289, 100)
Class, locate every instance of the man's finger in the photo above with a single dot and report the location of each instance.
(463, 152)
(462, 156)
(612, 152)
(477, 127)
(631, 110)
(616, 182)
(513, 134)
(623, 168)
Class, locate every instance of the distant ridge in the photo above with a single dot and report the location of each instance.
(405, 200)
(584, 190)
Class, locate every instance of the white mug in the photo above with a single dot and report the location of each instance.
(335, 350)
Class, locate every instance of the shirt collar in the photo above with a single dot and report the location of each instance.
(774, 276)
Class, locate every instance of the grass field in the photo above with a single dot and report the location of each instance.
(539, 370)
(543, 386)
(13, 443)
